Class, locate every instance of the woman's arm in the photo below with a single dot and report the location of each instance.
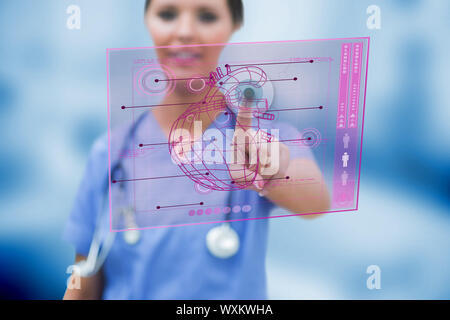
(90, 288)
(308, 196)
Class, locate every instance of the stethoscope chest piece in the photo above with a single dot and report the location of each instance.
(131, 237)
(222, 241)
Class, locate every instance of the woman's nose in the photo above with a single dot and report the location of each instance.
(185, 30)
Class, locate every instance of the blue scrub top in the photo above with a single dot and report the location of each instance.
(174, 263)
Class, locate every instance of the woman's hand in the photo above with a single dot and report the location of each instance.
(257, 156)
(263, 159)
(89, 288)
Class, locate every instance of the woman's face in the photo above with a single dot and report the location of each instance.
(187, 22)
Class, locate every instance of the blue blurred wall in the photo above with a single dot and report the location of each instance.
(53, 105)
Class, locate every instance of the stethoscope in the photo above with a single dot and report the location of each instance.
(221, 241)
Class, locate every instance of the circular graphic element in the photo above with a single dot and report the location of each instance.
(236, 209)
(310, 137)
(249, 93)
(196, 85)
(154, 80)
(253, 94)
(202, 189)
(248, 86)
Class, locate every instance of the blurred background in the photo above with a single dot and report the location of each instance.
(53, 106)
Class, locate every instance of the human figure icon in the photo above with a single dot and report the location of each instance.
(344, 178)
(345, 158)
(346, 140)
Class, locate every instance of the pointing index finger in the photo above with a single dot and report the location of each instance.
(244, 115)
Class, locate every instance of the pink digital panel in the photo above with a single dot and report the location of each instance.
(196, 167)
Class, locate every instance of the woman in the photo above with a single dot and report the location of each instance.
(174, 263)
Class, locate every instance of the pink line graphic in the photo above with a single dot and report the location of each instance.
(343, 86)
(355, 85)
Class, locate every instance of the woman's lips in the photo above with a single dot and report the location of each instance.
(184, 57)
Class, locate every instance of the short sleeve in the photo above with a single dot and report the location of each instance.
(80, 226)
